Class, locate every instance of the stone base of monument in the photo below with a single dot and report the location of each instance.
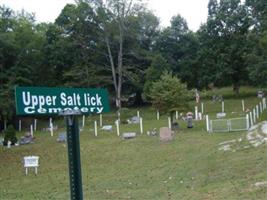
(129, 135)
(166, 134)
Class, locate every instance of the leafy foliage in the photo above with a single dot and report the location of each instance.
(10, 135)
(168, 94)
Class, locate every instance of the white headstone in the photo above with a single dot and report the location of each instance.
(35, 124)
(31, 130)
(8, 144)
(243, 105)
(157, 115)
(100, 120)
(202, 107)
(196, 113)
(176, 114)
(51, 129)
(83, 121)
(117, 127)
(50, 121)
(95, 128)
(141, 125)
(207, 123)
(222, 106)
(257, 111)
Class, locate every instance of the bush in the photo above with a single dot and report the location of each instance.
(10, 135)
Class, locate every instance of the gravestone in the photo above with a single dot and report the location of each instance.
(27, 139)
(220, 115)
(134, 120)
(62, 137)
(106, 128)
(152, 132)
(129, 135)
(189, 118)
(166, 134)
(260, 94)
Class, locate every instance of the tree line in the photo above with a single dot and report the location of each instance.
(119, 45)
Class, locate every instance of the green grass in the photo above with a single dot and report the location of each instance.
(190, 167)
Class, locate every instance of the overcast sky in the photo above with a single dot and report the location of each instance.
(194, 11)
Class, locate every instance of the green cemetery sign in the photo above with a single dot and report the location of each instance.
(47, 101)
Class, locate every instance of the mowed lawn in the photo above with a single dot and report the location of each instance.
(190, 167)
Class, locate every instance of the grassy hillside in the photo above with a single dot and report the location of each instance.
(190, 167)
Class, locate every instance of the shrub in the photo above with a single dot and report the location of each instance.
(10, 135)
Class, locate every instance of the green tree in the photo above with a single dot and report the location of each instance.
(153, 73)
(226, 45)
(10, 135)
(169, 94)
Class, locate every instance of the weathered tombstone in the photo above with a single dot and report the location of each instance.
(260, 94)
(62, 137)
(129, 135)
(134, 120)
(8, 144)
(166, 134)
(189, 118)
(107, 128)
(221, 115)
(27, 139)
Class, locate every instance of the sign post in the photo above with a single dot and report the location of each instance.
(73, 140)
(67, 102)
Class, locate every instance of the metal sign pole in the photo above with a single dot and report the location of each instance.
(74, 155)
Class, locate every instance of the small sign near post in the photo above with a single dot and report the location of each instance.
(70, 103)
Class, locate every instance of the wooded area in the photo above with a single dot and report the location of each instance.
(120, 46)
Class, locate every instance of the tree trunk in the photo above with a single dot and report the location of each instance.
(236, 88)
(114, 75)
(120, 55)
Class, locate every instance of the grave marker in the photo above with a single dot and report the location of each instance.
(35, 124)
(243, 105)
(257, 111)
(196, 113)
(117, 127)
(165, 134)
(83, 121)
(100, 120)
(95, 125)
(31, 130)
(141, 125)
